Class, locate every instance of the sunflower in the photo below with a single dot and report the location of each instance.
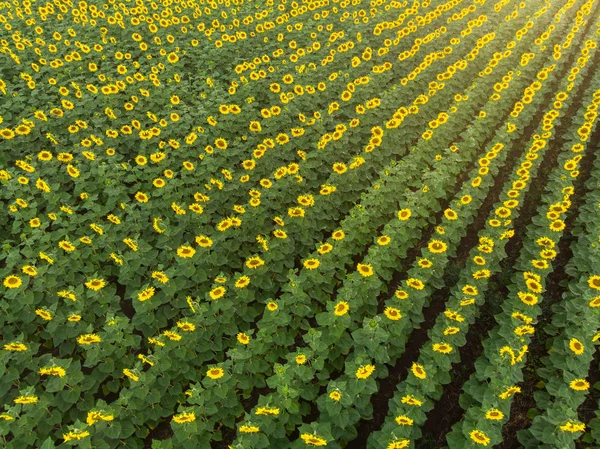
(129, 373)
(72, 171)
(186, 251)
(46, 258)
(482, 274)
(383, 240)
(503, 212)
(96, 416)
(7, 133)
(280, 234)
(539, 264)
(184, 417)
(573, 427)
(524, 318)
(401, 294)
(425, 263)
(466, 199)
(419, 371)
(341, 308)
(595, 302)
(579, 385)
(88, 339)
(14, 347)
(204, 241)
(75, 435)
(467, 302)
(392, 313)
(26, 400)
(335, 395)
(443, 348)
(22, 130)
(450, 214)
(529, 275)
(398, 444)
(221, 143)
(338, 235)
(255, 262)
(524, 330)
(549, 254)
(576, 346)
(479, 437)
(173, 336)
(594, 282)
(160, 277)
(415, 283)
(311, 264)
(269, 411)
(509, 392)
(243, 338)
(146, 294)
(12, 281)
(327, 189)
(528, 298)
(454, 316)
(533, 285)
(141, 197)
(411, 400)
(364, 371)
(404, 214)
(282, 138)
(95, 284)
(159, 183)
(340, 168)
(364, 270)
(242, 282)
(403, 420)
(215, 373)
(470, 290)
(217, 292)
(186, 326)
(437, 246)
(494, 414)
(313, 440)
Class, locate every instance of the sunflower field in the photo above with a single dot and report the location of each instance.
(287, 224)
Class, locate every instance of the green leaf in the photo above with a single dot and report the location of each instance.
(48, 444)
